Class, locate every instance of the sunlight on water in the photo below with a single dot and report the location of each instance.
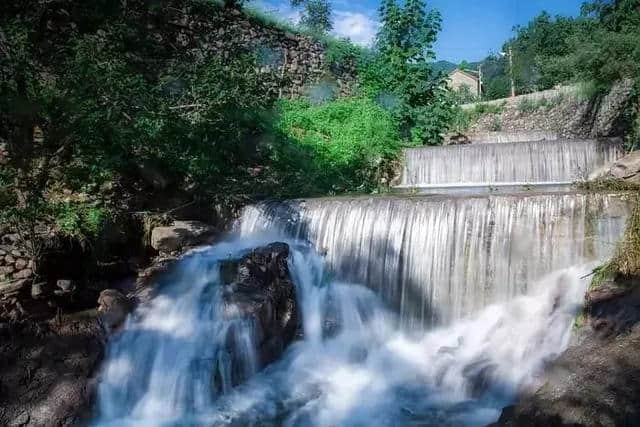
(354, 367)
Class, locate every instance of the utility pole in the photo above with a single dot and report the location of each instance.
(480, 81)
(513, 85)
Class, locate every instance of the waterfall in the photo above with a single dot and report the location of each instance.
(521, 162)
(416, 310)
(354, 367)
(441, 259)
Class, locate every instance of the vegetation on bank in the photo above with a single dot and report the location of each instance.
(101, 114)
(348, 143)
(624, 266)
(626, 260)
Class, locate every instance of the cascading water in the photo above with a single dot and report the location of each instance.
(524, 162)
(440, 259)
(432, 311)
(354, 367)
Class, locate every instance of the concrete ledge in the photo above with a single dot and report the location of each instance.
(505, 137)
(486, 188)
(535, 96)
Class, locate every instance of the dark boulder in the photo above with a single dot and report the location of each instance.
(258, 289)
(113, 307)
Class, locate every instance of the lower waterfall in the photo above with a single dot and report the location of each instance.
(441, 259)
(362, 371)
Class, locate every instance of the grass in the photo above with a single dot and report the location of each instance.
(626, 261)
(581, 319)
(527, 105)
(483, 108)
(464, 118)
(272, 21)
(607, 184)
(587, 91)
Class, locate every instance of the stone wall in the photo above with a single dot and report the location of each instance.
(563, 111)
(15, 265)
(297, 61)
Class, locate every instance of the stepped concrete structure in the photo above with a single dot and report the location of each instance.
(470, 225)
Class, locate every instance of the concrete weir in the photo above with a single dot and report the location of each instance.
(561, 161)
(471, 225)
(443, 258)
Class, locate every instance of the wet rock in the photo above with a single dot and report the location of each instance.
(596, 381)
(626, 168)
(46, 369)
(65, 285)
(37, 290)
(113, 308)
(180, 235)
(258, 288)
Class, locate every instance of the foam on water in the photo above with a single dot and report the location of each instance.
(354, 367)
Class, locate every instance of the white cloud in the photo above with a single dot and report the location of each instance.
(358, 27)
(292, 16)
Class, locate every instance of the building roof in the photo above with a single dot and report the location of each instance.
(468, 73)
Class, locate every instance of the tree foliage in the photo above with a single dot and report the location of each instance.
(316, 15)
(601, 46)
(399, 75)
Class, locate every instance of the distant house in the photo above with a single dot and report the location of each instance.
(459, 78)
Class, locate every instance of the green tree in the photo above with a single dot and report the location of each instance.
(539, 46)
(316, 15)
(400, 76)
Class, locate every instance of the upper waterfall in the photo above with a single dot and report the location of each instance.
(561, 161)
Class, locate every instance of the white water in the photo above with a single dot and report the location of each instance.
(353, 368)
(521, 162)
(441, 259)
(494, 272)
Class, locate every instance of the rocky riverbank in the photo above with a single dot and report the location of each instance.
(597, 380)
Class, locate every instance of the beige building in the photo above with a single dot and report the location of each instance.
(459, 78)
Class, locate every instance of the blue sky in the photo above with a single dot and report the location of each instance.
(471, 28)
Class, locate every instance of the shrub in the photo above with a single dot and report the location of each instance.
(335, 147)
(481, 109)
(627, 258)
(526, 105)
(83, 221)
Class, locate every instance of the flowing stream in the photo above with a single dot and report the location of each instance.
(354, 367)
(416, 310)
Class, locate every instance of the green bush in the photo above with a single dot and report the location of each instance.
(336, 147)
(627, 258)
(526, 105)
(481, 109)
(83, 221)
